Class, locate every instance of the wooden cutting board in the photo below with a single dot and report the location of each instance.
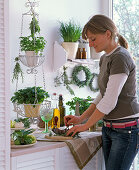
(59, 138)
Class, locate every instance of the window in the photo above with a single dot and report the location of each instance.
(126, 17)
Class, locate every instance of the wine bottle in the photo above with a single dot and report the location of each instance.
(62, 110)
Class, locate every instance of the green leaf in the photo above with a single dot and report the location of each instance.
(83, 103)
(70, 31)
(27, 96)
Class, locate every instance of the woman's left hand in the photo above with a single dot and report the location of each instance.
(76, 128)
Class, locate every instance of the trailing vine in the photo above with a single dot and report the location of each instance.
(63, 79)
(91, 83)
(75, 73)
(17, 71)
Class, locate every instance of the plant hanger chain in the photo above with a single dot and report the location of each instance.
(43, 78)
(21, 32)
(36, 100)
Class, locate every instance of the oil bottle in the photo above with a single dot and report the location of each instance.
(56, 113)
(62, 110)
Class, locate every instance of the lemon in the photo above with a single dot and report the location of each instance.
(12, 124)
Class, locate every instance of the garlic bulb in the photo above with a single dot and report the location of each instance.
(19, 125)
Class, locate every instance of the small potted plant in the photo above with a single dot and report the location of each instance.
(83, 104)
(99, 125)
(32, 45)
(70, 32)
(31, 98)
(35, 44)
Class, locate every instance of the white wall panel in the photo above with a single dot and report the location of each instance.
(4, 88)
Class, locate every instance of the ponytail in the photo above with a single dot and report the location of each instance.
(122, 41)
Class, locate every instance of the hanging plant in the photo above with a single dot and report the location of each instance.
(17, 71)
(63, 79)
(34, 26)
(75, 73)
(30, 43)
(92, 88)
(27, 95)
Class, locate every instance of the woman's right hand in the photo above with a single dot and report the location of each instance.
(71, 120)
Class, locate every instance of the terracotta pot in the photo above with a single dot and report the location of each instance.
(31, 58)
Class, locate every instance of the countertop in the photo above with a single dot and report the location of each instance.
(44, 145)
(39, 146)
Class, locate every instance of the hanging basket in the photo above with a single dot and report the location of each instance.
(32, 110)
(32, 61)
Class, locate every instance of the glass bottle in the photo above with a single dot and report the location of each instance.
(84, 54)
(79, 54)
(62, 110)
(56, 113)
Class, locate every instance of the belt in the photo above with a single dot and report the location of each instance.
(122, 120)
(120, 125)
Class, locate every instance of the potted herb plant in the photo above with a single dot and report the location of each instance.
(99, 125)
(33, 45)
(70, 32)
(83, 104)
(31, 98)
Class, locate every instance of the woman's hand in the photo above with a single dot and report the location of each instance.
(77, 128)
(71, 120)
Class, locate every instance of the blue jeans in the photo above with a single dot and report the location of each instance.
(120, 147)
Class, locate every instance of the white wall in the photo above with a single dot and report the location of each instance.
(50, 12)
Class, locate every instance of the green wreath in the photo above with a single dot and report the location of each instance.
(75, 78)
(91, 83)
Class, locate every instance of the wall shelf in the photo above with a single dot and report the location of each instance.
(60, 58)
(83, 61)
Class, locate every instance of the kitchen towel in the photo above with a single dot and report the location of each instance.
(85, 147)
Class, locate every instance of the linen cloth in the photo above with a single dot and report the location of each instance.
(85, 147)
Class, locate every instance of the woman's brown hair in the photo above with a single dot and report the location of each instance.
(99, 24)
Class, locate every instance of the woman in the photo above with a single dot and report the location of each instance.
(116, 103)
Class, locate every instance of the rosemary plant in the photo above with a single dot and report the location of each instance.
(17, 71)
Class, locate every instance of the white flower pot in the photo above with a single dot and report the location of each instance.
(31, 58)
(71, 49)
